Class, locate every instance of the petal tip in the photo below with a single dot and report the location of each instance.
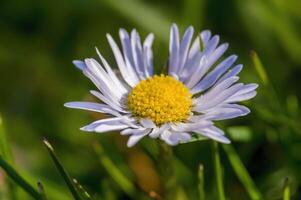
(79, 64)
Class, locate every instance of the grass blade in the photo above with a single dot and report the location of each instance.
(41, 190)
(62, 171)
(15, 176)
(201, 182)
(5, 151)
(84, 194)
(242, 173)
(286, 190)
(268, 89)
(125, 184)
(218, 172)
(259, 68)
(4, 145)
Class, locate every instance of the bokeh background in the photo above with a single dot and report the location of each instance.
(38, 41)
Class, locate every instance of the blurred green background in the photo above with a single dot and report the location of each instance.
(38, 41)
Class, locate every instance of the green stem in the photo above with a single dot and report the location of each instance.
(286, 191)
(218, 172)
(242, 172)
(167, 170)
(201, 182)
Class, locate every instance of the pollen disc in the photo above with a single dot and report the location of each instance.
(160, 98)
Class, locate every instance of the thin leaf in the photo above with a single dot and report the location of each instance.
(62, 171)
(269, 91)
(81, 190)
(201, 182)
(218, 172)
(242, 173)
(41, 190)
(15, 176)
(259, 68)
(5, 151)
(4, 144)
(286, 190)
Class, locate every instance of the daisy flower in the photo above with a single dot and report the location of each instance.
(198, 88)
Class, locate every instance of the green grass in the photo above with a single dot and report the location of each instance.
(40, 39)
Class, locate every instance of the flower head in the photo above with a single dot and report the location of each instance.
(197, 90)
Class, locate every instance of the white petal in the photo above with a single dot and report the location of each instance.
(227, 111)
(188, 127)
(114, 104)
(165, 136)
(174, 45)
(185, 137)
(96, 107)
(134, 138)
(149, 40)
(180, 137)
(127, 72)
(101, 85)
(242, 97)
(216, 90)
(105, 125)
(247, 88)
(106, 84)
(184, 47)
(200, 69)
(113, 76)
(205, 36)
(247, 92)
(219, 99)
(147, 123)
(137, 54)
(211, 45)
(214, 75)
(218, 52)
(79, 64)
(211, 59)
(126, 46)
(148, 55)
(193, 69)
(131, 131)
(174, 138)
(156, 132)
(231, 73)
(195, 48)
(98, 81)
(214, 133)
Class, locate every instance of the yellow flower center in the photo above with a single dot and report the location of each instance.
(160, 98)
